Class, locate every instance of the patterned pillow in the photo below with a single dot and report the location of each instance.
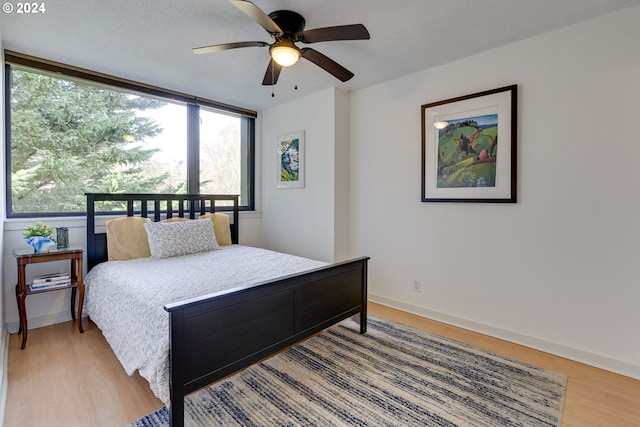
(169, 239)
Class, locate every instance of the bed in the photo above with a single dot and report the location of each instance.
(224, 312)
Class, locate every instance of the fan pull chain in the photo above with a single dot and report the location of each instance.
(273, 70)
(296, 82)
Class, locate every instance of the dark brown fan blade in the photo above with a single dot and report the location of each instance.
(327, 64)
(341, 32)
(272, 74)
(226, 46)
(255, 13)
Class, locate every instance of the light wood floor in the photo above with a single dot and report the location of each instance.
(68, 379)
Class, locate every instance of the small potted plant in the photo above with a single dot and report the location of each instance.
(38, 236)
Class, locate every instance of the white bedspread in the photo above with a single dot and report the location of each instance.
(126, 299)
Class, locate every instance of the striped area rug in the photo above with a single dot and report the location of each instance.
(394, 375)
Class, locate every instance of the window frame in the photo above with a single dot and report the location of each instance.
(192, 103)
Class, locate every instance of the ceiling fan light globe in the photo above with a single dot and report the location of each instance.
(285, 53)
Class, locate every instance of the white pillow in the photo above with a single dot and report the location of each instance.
(169, 239)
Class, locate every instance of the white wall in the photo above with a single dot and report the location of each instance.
(308, 221)
(341, 187)
(558, 270)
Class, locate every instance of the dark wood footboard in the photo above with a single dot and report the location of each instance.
(219, 334)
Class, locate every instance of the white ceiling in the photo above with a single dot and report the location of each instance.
(151, 40)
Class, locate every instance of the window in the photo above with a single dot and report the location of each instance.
(223, 158)
(70, 132)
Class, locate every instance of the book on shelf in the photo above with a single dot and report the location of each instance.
(50, 281)
(50, 278)
(39, 287)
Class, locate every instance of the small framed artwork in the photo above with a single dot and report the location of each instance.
(469, 148)
(291, 160)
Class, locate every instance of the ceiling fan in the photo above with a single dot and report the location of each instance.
(287, 28)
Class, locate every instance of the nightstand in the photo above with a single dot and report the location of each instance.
(27, 256)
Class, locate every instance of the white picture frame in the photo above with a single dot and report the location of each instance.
(291, 160)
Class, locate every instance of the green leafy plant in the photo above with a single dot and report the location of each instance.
(39, 229)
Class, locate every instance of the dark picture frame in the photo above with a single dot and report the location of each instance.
(469, 148)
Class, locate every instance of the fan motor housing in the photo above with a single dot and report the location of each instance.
(289, 22)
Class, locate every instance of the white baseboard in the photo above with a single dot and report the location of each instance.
(593, 359)
(40, 321)
(4, 353)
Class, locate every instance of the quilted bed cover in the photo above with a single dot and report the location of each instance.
(126, 299)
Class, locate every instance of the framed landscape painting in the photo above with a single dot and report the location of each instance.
(469, 148)
(291, 160)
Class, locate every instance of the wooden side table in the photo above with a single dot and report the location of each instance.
(27, 256)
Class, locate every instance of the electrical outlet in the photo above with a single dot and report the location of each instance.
(416, 285)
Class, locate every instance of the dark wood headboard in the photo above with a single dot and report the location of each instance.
(155, 207)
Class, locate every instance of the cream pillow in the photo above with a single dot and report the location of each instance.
(127, 239)
(177, 238)
(221, 227)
